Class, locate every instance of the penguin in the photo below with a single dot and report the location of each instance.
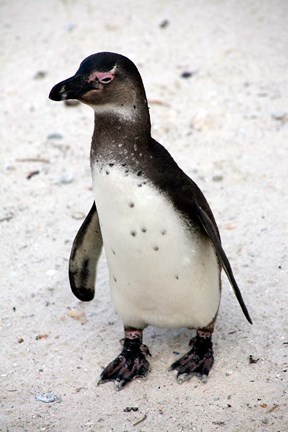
(160, 237)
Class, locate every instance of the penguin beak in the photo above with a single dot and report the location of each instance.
(71, 88)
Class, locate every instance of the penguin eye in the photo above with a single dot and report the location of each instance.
(102, 77)
(105, 80)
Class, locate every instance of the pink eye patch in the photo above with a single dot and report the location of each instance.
(103, 77)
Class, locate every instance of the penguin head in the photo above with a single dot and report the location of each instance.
(104, 81)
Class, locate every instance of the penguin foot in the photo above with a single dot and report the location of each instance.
(198, 361)
(130, 364)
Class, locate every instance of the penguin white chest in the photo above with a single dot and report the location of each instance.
(161, 272)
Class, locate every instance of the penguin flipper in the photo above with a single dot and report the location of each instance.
(212, 233)
(84, 256)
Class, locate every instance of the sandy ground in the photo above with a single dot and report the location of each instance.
(227, 126)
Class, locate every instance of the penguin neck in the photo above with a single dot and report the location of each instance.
(119, 134)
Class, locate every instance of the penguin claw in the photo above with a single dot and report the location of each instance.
(182, 378)
(120, 384)
(129, 365)
(198, 361)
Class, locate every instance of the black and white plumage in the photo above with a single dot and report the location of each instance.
(161, 240)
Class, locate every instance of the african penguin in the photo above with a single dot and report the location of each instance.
(160, 237)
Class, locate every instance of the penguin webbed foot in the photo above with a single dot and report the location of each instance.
(198, 361)
(130, 364)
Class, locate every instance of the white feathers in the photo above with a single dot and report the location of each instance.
(126, 112)
(161, 272)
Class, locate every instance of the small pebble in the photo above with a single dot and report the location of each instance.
(230, 226)
(252, 359)
(66, 178)
(187, 74)
(54, 136)
(217, 178)
(78, 315)
(72, 102)
(281, 116)
(42, 336)
(165, 23)
(129, 409)
(48, 398)
(40, 75)
(78, 215)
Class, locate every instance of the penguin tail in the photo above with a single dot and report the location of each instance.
(212, 233)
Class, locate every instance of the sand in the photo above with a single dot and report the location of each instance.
(226, 123)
